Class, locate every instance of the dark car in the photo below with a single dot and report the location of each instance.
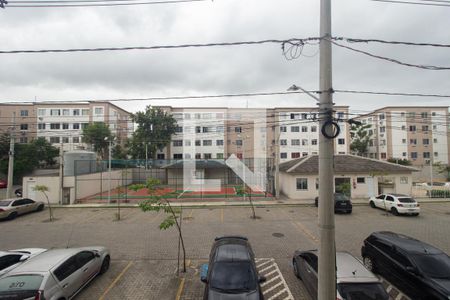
(353, 280)
(418, 269)
(3, 184)
(231, 272)
(342, 203)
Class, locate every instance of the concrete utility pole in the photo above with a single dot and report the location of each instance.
(277, 161)
(61, 173)
(11, 158)
(327, 250)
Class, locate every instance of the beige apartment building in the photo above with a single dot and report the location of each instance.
(417, 133)
(61, 123)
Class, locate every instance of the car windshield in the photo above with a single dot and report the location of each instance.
(20, 286)
(233, 277)
(5, 203)
(406, 200)
(341, 197)
(435, 266)
(362, 291)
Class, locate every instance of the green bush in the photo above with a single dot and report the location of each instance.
(439, 193)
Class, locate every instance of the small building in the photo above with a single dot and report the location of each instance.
(362, 177)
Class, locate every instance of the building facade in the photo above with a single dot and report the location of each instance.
(419, 134)
(62, 123)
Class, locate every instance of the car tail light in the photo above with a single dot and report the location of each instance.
(39, 295)
(400, 205)
(1, 209)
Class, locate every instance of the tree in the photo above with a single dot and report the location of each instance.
(44, 189)
(45, 152)
(360, 136)
(155, 128)
(443, 169)
(399, 161)
(98, 135)
(157, 203)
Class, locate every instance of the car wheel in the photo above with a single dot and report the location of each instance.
(105, 264)
(369, 263)
(40, 207)
(415, 214)
(296, 271)
(394, 211)
(12, 216)
(372, 204)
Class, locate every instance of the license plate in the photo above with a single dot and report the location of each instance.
(410, 209)
(343, 204)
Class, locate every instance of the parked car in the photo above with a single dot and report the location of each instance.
(420, 270)
(3, 184)
(10, 259)
(231, 272)
(55, 274)
(342, 203)
(353, 280)
(396, 204)
(11, 208)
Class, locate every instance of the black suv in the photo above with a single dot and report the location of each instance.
(342, 203)
(420, 270)
(231, 272)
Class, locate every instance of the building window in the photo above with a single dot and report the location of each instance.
(66, 112)
(435, 140)
(55, 126)
(187, 129)
(283, 129)
(304, 142)
(75, 140)
(198, 129)
(220, 129)
(403, 141)
(23, 140)
(412, 128)
(413, 155)
(198, 143)
(76, 112)
(23, 126)
(341, 141)
(187, 143)
(314, 142)
(178, 156)
(436, 154)
(84, 112)
(426, 141)
(403, 180)
(55, 112)
(313, 128)
(304, 128)
(41, 112)
(413, 141)
(403, 127)
(382, 129)
(41, 126)
(177, 143)
(178, 129)
(361, 180)
(54, 139)
(65, 126)
(219, 116)
(411, 115)
(404, 154)
(295, 155)
(207, 142)
(238, 142)
(302, 183)
(295, 129)
(295, 142)
(76, 126)
(304, 154)
(381, 116)
(206, 116)
(65, 140)
(207, 156)
(205, 130)
(219, 155)
(283, 142)
(424, 115)
(425, 128)
(177, 116)
(295, 116)
(426, 155)
(187, 116)
(383, 155)
(283, 155)
(160, 156)
(197, 117)
(237, 129)
(219, 142)
(198, 155)
(304, 116)
(24, 113)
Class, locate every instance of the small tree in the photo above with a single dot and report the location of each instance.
(98, 135)
(443, 169)
(400, 161)
(44, 189)
(360, 135)
(157, 203)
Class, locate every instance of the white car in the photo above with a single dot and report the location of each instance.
(55, 274)
(11, 259)
(396, 204)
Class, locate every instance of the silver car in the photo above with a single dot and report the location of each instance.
(55, 274)
(353, 280)
(11, 208)
(11, 259)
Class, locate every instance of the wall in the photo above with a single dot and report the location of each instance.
(52, 183)
(91, 184)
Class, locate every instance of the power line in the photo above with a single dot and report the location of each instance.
(410, 2)
(292, 41)
(353, 40)
(95, 4)
(392, 93)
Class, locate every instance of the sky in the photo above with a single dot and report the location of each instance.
(221, 70)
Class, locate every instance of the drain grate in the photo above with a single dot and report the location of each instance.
(278, 234)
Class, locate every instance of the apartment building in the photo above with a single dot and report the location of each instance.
(61, 123)
(419, 134)
(216, 133)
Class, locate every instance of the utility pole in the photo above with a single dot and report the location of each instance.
(277, 161)
(11, 158)
(61, 174)
(327, 250)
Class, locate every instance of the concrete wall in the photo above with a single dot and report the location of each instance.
(52, 183)
(91, 184)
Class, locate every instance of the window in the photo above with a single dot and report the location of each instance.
(238, 142)
(54, 139)
(187, 116)
(178, 156)
(66, 269)
(66, 112)
(426, 155)
(283, 142)
(160, 156)
(237, 129)
(198, 129)
(198, 155)
(436, 154)
(433, 113)
(65, 140)
(283, 155)
(313, 128)
(41, 126)
(55, 126)
(55, 112)
(187, 129)
(207, 155)
(426, 141)
(41, 112)
(205, 129)
(435, 140)
(361, 180)
(314, 142)
(413, 155)
(341, 141)
(219, 142)
(424, 115)
(412, 128)
(219, 155)
(304, 116)
(207, 142)
(187, 143)
(295, 155)
(302, 183)
(65, 126)
(197, 117)
(76, 112)
(220, 129)
(177, 116)
(295, 129)
(295, 116)
(76, 126)
(403, 180)
(198, 143)
(24, 113)
(23, 126)
(404, 154)
(304, 154)
(283, 129)
(206, 116)
(381, 116)
(304, 142)
(304, 128)
(340, 115)
(178, 129)
(403, 141)
(295, 142)
(403, 127)
(383, 155)
(425, 128)
(84, 257)
(75, 140)
(177, 143)
(413, 141)
(84, 112)
(382, 129)
(219, 116)
(411, 115)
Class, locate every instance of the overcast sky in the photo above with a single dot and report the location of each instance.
(220, 70)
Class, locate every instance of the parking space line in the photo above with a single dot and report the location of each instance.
(273, 287)
(115, 281)
(264, 263)
(180, 289)
(277, 294)
(306, 231)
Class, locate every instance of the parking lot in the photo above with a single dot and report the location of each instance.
(144, 258)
